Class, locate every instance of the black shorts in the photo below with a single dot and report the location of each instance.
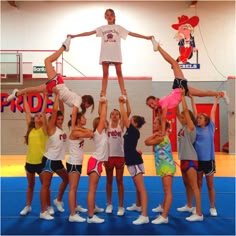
(207, 167)
(73, 168)
(181, 83)
(33, 168)
(51, 165)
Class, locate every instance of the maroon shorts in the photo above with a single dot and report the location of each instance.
(53, 82)
(117, 162)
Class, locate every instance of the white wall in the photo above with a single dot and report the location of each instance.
(44, 25)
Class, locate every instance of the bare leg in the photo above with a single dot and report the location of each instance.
(30, 189)
(211, 190)
(179, 74)
(167, 187)
(93, 182)
(105, 69)
(51, 72)
(63, 174)
(202, 93)
(192, 179)
(73, 180)
(120, 185)
(140, 188)
(176, 68)
(120, 78)
(188, 189)
(109, 173)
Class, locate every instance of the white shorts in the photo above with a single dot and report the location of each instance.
(136, 169)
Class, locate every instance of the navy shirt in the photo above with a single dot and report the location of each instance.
(131, 137)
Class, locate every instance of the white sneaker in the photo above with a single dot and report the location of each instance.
(80, 209)
(76, 218)
(66, 44)
(160, 220)
(109, 209)
(158, 209)
(185, 209)
(155, 44)
(12, 95)
(25, 211)
(134, 208)
(98, 209)
(195, 217)
(51, 210)
(226, 98)
(141, 220)
(121, 211)
(59, 205)
(213, 212)
(46, 216)
(95, 219)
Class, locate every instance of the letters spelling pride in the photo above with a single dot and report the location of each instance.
(35, 103)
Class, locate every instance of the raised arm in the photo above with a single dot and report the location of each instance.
(103, 115)
(213, 109)
(128, 112)
(27, 110)
(194, 108)
(61, 106)
(124, 115)
(52, 120)
(177, 112)
(140, 36)
(189, 121)
(73, 117)
(44, 109)
(82, 34)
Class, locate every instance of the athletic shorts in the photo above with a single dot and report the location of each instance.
(94, 166)
(207, 167)
(181, 83)
(33, 168)
(53, 82)
(136, 169)
(186, 164)
(51, 165)
(73, 168)
(115, 162)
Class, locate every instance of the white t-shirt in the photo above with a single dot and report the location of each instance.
(115, 141)
(101, 146)
(76, 151)
(68, 97)
(56, 145)
(110, 42)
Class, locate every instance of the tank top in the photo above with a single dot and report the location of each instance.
(76, 151)
(36, 146)
(56, 145)
(101, 146)
(115, 141)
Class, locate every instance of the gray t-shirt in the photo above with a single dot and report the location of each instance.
(186, 139)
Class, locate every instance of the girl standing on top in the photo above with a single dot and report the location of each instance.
(110, 53)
